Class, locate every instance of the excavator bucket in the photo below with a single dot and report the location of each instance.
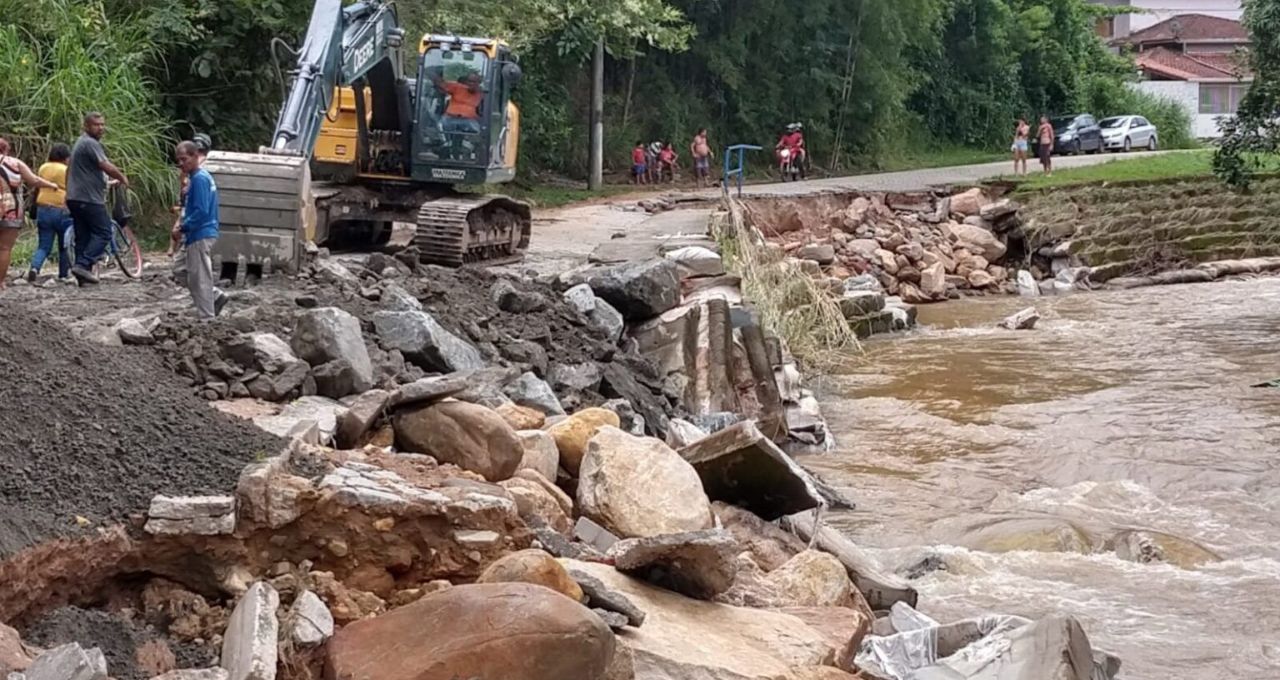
(266, 210)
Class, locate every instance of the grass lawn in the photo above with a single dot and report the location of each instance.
(1147, 168)
(918, 159)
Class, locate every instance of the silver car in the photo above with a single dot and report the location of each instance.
(1128, 132)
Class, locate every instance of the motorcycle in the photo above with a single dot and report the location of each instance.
(790, 165)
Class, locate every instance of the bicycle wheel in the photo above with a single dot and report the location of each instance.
(126, 250)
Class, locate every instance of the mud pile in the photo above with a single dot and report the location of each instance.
(91, 433)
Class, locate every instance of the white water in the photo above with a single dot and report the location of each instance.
(1121, 410)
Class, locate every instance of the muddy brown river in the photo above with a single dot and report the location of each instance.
(1024, 461)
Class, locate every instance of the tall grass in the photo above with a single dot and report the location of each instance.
(60, 59)
(791, 304)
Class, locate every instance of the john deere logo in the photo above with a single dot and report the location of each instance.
(445, 173)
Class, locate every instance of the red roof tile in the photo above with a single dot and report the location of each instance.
(1190, 28)
(1181, 66)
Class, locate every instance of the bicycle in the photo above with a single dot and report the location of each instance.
(122, 246)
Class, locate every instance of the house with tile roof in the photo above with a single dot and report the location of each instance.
(1197, 60)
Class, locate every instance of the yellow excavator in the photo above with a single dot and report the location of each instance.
(361, 149)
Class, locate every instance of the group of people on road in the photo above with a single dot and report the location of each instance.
(71, 199)
(1044, 145)
(659, 162)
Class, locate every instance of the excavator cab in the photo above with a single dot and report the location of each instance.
(467, 125)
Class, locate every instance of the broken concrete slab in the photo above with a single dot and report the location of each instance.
(191, 515)
(134, 332)
(425, 342)
(534, 392)
(192, 674)
(249, 645)
(324, 412)
(265, 352)
(1022, 320)
(697, 261)
(68, 662)
(311, 622)
(699, 564)
(601, 596)
(360, 416)
(430, 389)
(740, 466)
(594, 535)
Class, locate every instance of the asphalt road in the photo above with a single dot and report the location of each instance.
(917, 180)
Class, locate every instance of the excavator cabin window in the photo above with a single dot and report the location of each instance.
(453, 111)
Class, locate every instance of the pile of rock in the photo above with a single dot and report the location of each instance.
(879, 254)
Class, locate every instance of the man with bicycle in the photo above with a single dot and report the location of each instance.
(87, 196)
(199, 231)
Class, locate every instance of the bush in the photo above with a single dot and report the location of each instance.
(1110, 97)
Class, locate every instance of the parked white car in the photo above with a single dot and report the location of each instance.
(1123, 133)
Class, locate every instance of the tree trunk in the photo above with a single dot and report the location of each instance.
(596, 160)
(631, 86)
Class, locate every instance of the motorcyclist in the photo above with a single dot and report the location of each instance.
(793, 141)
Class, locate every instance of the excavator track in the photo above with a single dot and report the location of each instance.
(480, 229)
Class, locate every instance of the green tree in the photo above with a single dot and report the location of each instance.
(1254, 134)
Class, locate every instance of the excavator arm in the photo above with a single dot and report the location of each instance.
(342, 46)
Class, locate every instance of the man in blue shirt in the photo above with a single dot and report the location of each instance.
(199, 231)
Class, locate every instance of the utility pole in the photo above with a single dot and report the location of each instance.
(596, 159)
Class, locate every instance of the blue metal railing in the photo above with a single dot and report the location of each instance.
(739, 171)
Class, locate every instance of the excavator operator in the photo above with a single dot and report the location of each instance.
(465, 99)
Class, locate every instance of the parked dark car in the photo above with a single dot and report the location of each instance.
(1076, 133)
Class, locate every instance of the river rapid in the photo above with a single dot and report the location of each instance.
(1018, 460)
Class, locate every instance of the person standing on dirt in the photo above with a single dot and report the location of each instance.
(52, 217)
(702, 155)
(639, 169)
(13, 173)
(1044, 149)
(87, 196)
(199, 230)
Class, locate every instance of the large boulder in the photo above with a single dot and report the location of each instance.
(933, 281)
(14, 655)
(880, 588)
(639, 290)
(539, 502)
(687, 639)
(467, 435)
(769, 545)
(969, 202)
(639, 487)
(572, 434)
(532, 391)
(493, 630)
(327, 334)
(338, 379)
(811, 579)
(264, 352)
(540, 452)
(699, 564)
(425, 342)
(978, 240)
(532, 566)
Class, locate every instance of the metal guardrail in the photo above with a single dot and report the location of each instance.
(741, 168)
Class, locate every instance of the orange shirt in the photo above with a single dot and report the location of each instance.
(463, 103)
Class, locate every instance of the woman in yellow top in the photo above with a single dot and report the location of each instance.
(52, 217)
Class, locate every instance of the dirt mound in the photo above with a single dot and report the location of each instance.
(94, 432)
(133, 652)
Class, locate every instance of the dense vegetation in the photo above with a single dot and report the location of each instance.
(873, 80)
(1251, 140)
